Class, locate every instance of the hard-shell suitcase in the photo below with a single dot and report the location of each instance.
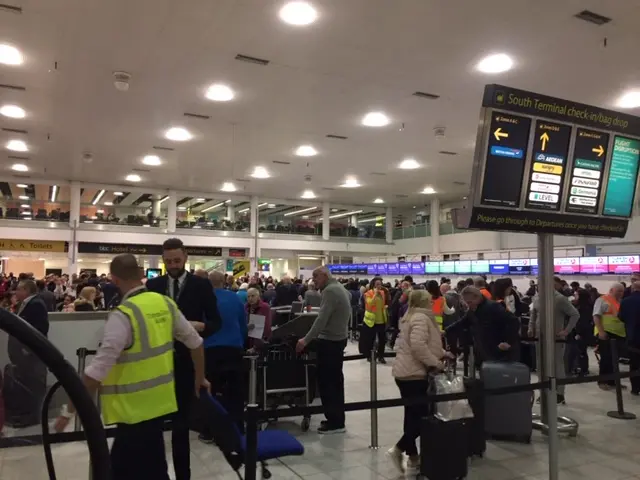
(507, 417)
(443, 448)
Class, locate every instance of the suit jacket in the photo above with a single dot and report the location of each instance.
(197, 302)
(35, 314)
(49, 300)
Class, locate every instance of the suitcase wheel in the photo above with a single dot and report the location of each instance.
(306, 423)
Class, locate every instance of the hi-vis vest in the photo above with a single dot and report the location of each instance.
(485, 293)
(610, 320)
(140, 386)
(371, 307)
(438, 310)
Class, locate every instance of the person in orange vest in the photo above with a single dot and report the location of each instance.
(376, 301)
(481, 284)
(439, 305)
(609, 328)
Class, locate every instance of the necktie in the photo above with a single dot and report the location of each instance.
(176, 289)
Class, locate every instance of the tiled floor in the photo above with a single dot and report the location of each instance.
(604, 448)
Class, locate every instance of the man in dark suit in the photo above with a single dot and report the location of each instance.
(198, 304)
(26, 384)
(286, 293)
(47, 297)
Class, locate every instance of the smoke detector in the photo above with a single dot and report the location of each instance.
(121, 81)
(87, 157)
(307, 179)
(439, 133)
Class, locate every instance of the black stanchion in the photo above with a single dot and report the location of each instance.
(619, 413)
(251, 449)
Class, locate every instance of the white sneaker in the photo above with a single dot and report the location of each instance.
(397, 458)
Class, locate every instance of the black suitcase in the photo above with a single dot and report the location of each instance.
(443, 448)
(477, 437)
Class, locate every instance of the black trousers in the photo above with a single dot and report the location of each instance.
(604, 347)
(577, 355)
(413, 414)
(331, 379)
(138, 452)
(225, 372)
(180, 446)
(368, 337)
(634, 364)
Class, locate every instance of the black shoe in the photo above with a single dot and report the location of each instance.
(561, 400)
(382, 360)
(326, 429)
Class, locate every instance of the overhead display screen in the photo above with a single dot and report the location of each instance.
(480, 266)
(447, 267)
(508, 138)
(566, 266)
(405, 268)
(548, 165)
(462, 267)
(393, 268)
(534, 266)
(519, 266)
(372, 269)
(623, 177)
(431, 267)
(382, 269)
(594, 265)
(499, 267)
(624, 264)
(589, 155)
(417, 268)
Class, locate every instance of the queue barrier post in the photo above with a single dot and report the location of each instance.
(620, 414)
(82, 363)
(251, 450)
(373, 390)
(253, 379)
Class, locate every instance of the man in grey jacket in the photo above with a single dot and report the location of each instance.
(565, 318)
(329, 336)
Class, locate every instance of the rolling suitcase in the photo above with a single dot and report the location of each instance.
(443, 448)
(477, 444)
(507, 417)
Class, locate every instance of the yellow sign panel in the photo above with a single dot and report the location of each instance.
(241, 268)
(34, 246)
(547, 168)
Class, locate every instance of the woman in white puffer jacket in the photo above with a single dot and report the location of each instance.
(419, 350)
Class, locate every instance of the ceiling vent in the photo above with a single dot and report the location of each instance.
(243, 180)
(447, 152)
(281, 162)
(425, 95)
(459, 183)
(248, 59)
(195, 115)
(166, 149)
(22, 176)
(401, 195)
(142, 170)
(12, 87)
(15, 130)
(16, 157)
(380, 174)
(336, 137)
(328, 188)
(10, 8)
(591, 17)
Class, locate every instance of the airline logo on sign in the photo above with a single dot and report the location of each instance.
(521, 262)
(541, 157)
(546, 168)
(564, 262)
(593, 260)
(585, 192)
(583, 182)
(623, 260)
(585, 202)
(545, 187)
(543, 197)
(583, 172)
(546, 178)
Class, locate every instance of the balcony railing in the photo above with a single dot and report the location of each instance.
(412, 231)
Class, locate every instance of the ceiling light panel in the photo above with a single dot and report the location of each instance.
(219, 92)
(308, 194)
(298, 212)
(409, 164)
(260, 172)
(298, 13)
(351, 182)
(12, 111)
(17, 146)
(428, 191)
(375, 119)
(10, 55)
(133, 178)
(228, 187)
(378, 200)
(497, 63)
(630, 99)
(306, 151)
(178, 134)
(19, 167)
(152, 160)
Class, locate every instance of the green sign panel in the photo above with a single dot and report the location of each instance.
(623, 176)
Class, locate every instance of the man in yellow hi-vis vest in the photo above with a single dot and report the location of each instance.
(133, 371)
(609, 328)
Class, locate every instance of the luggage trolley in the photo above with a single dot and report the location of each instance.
(287, 379)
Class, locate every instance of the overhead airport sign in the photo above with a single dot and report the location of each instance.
(34, 246)
(547, 165)
(142, 249)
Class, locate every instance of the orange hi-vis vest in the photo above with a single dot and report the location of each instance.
(486, 293)
(610, 321)
(438, 310)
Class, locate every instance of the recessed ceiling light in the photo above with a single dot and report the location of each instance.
(152, 160)
(428, 191)
(375, 119)
(200, 200)
(260, 172)
(23, 197)
(118, 194)
(497, 63)
(17, 146)
(413, 206)
(108, 204)
(19, 167)
(25, 205)
(178, 134)
(27, 218)
(306, 151)
(10, 55)
(298, 13)
(220, 93)
(22, 185)
(630, 100)
(12, 111)
(378, 200)
(464, 198)
(100, 211)
(228, 187)
(409, 164)
(182, 209)
(351, 182)
(308, 194)
(271, 205)
(27, 213)
(133, 178)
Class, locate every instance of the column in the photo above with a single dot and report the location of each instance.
(254, 216)
(354, 221)
(154, 260)
(434, 219)
(74, 207)
(172, 213)
(72, 257)
(156, 205)
(231, 213)
(388, 225)
(326, 211)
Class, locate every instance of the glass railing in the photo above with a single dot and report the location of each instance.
(448, 228)
(202, 223)
(412, 231)
(292, 228)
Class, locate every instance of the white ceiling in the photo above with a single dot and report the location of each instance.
(360, 55)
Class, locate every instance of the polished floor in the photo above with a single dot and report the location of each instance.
(604, 447)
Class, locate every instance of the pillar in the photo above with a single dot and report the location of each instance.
(354, 221)
(154, 261)
(72, 257)
(74, 206)
(388, 225)
(434, 219)
(156, 206)
(172, 211)
(326, 211)
(231, 213)
(254, 216)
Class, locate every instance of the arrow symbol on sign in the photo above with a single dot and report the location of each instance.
(500, 134)
(545, 138)
(599, 150)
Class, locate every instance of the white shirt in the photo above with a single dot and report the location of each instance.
(118, 336)
(171, 283)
